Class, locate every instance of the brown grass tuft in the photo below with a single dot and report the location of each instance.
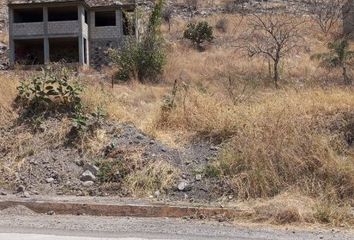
(156, 176)
(8, 93)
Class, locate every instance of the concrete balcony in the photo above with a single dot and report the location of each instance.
(28, 29)
(108, 32)
(63, 28)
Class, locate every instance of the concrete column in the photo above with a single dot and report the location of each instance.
(81, 14)
(45, 39)
(46, 51)
(11, 40)
(119, 22)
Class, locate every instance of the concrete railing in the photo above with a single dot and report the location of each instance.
(109, 32)
(63, 27)
(28, 29)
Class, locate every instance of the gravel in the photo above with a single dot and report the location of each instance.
(159, 228)
(17, 211)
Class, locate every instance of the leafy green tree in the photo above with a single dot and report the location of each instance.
(199, 33)
(339, 56)
(143, 60)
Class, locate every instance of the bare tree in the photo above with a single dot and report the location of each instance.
(274, 37)
(167, 16)
(327, 13)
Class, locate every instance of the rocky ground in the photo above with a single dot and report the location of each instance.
(61, 168)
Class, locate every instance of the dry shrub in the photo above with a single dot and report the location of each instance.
(290, 215)
(155, 176)
(133, 102)
(327, 212)
(93, 142)
(289, 137)
(278, 214)
(199, 112)
(276, 139)
(287, 208)
(8, 93)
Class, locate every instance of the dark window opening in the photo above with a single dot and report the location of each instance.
(128, 23)
(64, 50)
(63, 13)
(85, 51)
(105, 19)
(28, 15)
(29, 51)
(86, 17)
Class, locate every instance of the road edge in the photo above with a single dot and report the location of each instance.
(122, 210)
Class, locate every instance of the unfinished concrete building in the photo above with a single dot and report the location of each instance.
(70, 31)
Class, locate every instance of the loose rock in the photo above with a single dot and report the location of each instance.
(21, 189)
(198, 177)
(51, 213)
(50, 180)
(92, 168)
(88, 184)
(26, 194)
(157, 194)
(184, 186)
(88, 176)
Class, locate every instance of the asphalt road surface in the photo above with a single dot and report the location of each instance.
(44, 227)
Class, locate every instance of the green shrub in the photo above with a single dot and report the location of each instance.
(143, 60)
(113, 170)
(51, 89)
(199, 33)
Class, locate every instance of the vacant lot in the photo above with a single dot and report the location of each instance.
(287, 150)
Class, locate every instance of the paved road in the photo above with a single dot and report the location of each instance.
(17, 236)
(44, 227)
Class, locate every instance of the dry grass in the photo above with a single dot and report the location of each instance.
(156, 176)
(4, 38)
(280, 136)
(274, 140)
(8, 92)
(294, 208)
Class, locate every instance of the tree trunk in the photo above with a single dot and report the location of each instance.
(276, 73)
(347, 80)
(269, 68)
